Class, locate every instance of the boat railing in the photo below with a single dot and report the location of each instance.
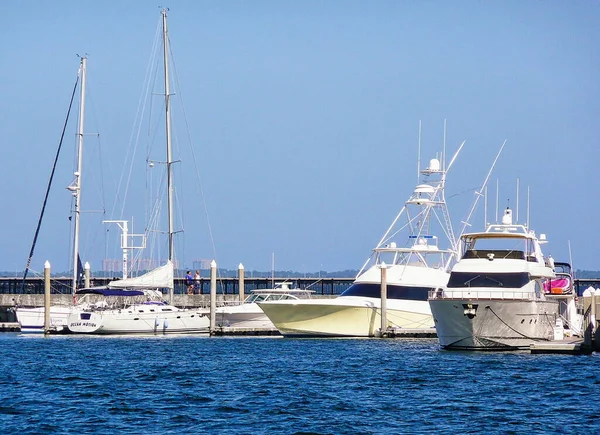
(482, 294)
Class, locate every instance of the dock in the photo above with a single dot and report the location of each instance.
(567, 346)
(407, 333)
(235, 332)
(10, 327)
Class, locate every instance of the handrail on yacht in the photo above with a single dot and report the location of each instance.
(481, 294)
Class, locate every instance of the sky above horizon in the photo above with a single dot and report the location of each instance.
(297, 123)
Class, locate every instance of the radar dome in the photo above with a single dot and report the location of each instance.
(434, 165)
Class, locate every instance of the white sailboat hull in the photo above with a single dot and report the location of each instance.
(345, 316)
(132, 321)
(488, 324)
(31, 320)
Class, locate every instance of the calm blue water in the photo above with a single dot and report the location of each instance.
(179, 385)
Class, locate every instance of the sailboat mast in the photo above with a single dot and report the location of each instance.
(77, 183)
(168, 133)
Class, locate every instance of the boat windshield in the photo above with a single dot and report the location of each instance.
(485, 279)
(498, 248)
(393, 291)
(261, 297)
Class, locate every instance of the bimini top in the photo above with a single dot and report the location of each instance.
(106, 291)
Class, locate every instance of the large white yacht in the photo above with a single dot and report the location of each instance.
(495, 298)
(414, 267)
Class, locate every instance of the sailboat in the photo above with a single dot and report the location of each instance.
(32, 319)
(413, 269)
(135, 305)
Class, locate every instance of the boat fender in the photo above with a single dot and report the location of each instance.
(156, 321)
(165, 324)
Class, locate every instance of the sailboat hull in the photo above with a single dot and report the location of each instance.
(139, 320)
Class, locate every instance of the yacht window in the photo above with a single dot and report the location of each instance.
(393, 291)
(497, 254)
(484, 279)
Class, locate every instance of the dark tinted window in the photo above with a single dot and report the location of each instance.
(505, 280)
(393, 291)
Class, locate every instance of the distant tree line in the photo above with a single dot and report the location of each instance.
(205, 273)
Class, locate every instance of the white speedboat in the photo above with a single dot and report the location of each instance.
(130, 306)
(32, 319)
(495, 298)
(249, 315)
(412, 271)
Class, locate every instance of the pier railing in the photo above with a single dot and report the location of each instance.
(225, 286)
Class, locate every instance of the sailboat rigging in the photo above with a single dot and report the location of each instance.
(32, 319)
(48, 187)
(135, 305)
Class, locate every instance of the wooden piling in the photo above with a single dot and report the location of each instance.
(213, 295)
(47, 297)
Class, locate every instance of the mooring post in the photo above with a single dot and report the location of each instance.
(383, 268)
(46, 297)
(589, 316)
(241, 282)
(213, 295)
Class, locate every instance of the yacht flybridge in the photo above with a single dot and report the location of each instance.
(415, 265)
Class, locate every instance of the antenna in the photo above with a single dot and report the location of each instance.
(272, 270)
(478, 193)
(527, 207)
(517, 201)
(571, 259)
(485, 207)
(444, 150)
(419, 154)
(497, 192)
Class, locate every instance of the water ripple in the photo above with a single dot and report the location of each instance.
(172, 385)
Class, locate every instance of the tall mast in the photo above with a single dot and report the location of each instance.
(168, 131)
(76, 186)
(168, 134)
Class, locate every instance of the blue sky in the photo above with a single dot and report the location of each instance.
(303, 118)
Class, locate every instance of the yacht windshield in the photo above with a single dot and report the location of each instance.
(393, 291)
(484, 279)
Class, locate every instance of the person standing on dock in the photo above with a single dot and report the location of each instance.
(189, 281)
(197, 282)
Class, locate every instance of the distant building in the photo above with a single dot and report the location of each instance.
(201, 264)
(114, 265)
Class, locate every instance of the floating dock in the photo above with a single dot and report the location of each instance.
(407, 333)
(10, 327)
(568, 346)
